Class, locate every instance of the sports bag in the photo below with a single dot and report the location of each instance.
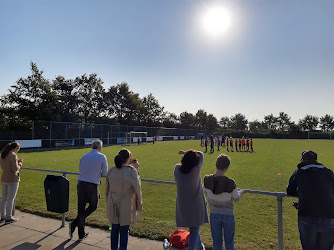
(179, 238)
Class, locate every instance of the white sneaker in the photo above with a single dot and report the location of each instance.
(11, 220)
(203, 247)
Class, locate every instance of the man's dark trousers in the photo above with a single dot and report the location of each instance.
(316, 232)
(87, 193)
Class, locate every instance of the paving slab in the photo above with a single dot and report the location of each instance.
(36, 232)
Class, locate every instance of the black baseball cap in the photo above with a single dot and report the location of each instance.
(309, 155)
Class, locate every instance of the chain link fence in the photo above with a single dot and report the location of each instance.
(61, 134)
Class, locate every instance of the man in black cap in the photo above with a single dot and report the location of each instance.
(313, 184)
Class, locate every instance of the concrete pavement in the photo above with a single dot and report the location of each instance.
(35, 232)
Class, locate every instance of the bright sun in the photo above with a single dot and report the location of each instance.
(216, 21)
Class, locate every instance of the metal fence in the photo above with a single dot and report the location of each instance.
(52, 132)
(279, 197)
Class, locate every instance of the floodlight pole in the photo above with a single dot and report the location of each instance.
(32, 130)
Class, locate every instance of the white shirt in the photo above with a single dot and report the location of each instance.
(93, 166)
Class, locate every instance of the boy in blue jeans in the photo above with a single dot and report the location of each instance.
(221, 192)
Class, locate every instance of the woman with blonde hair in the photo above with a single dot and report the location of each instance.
(10, 179)
(123, 197)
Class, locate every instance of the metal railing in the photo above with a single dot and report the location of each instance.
(279, 197)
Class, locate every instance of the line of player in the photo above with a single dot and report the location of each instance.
(240, 144)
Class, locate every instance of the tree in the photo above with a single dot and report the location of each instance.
(212, 123)
(309, 123)
(201, 119)
(187, 120)
(284, 121)
(123, 104)
(89, 94)
(224, 122)
(152, 114)
(67, 100)
(327, 123)
(170, 120)
(255, 126)
(294, 129)
(239, 122)
(270, 121)
(32, 98)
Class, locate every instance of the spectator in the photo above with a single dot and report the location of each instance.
(93, 166)
(10, 179)
(191, 208)
(222, 191)
(123, 197)
(313, 184)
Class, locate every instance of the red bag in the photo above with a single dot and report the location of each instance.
(179, 238)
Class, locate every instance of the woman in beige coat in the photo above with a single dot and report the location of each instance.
(123, 197)
(10, 179)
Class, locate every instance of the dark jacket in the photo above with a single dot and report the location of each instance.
(313, 184)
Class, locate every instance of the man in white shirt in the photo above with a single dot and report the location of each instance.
(93, 166)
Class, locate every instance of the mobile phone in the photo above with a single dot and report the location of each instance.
(134, 161)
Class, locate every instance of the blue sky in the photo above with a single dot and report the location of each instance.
(276, 56)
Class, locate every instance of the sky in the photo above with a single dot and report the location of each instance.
(266, 56)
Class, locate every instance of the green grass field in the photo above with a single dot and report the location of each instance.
(256, 215)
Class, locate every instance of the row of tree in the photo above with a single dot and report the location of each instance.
(84, 99)
(283, 123)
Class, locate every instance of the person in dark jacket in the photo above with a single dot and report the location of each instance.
(313, 184)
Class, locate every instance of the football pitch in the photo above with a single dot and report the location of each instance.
(268, 168)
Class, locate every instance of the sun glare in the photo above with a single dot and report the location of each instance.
(216, 21)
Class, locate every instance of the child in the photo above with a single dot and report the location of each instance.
(236, 144)
(243, 144)
(218, 143)
(206, 145)
(247, 144)
(251, 144)
(227, 143)
(221, 192)
(231, 143)
(239, 144)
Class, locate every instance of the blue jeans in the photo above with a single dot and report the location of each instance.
(316, 233)
(194, 239)
(121, 232)
(222, 223)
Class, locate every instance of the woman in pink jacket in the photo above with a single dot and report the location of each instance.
(10, 179)
(123, 197)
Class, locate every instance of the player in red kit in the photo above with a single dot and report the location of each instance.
(247, 144)
(231, 143)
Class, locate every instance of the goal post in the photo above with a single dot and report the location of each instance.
(134, 136)
(319, 135)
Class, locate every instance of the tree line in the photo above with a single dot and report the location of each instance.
(84, 99)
